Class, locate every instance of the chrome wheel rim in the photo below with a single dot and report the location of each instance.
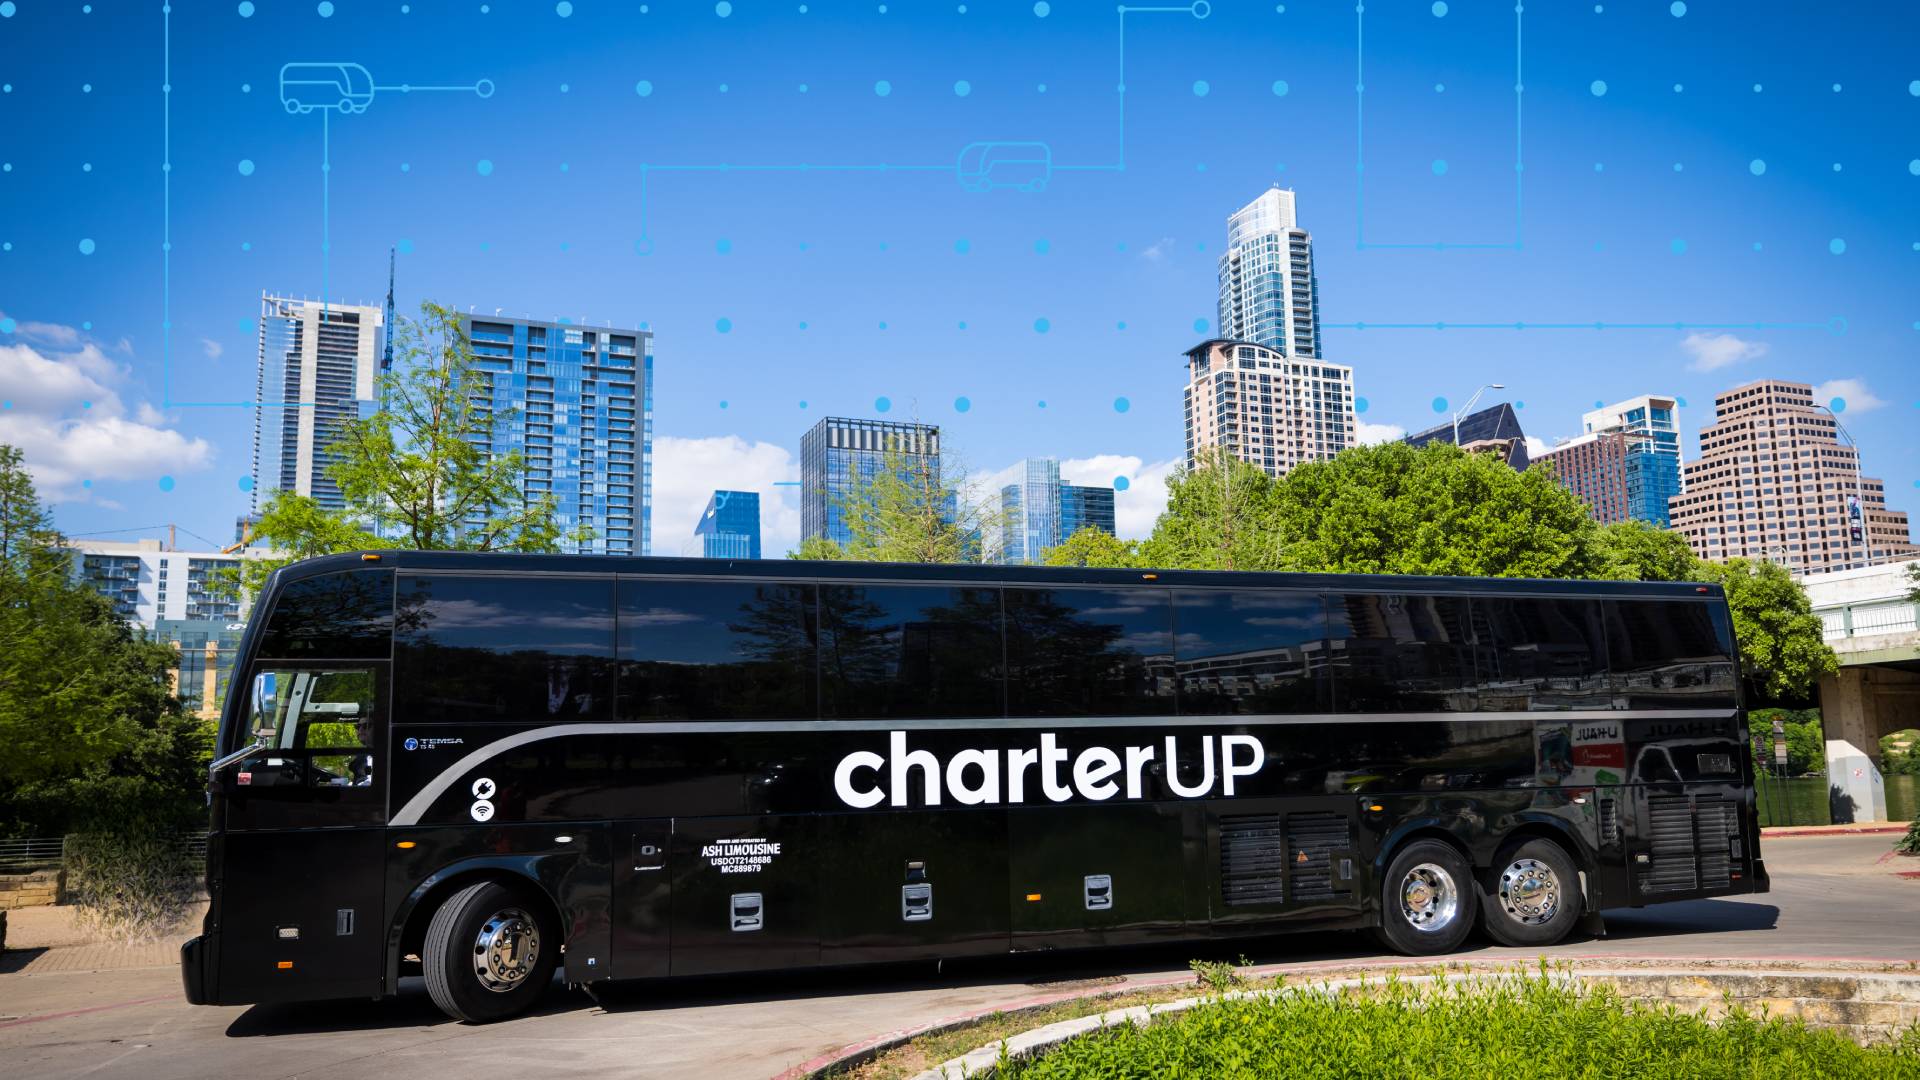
(506, 949)
(1530, 892)
(1429, 898)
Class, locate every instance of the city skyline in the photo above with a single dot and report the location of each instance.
(1675, 197)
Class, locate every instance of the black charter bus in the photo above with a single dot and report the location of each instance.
(481, 768)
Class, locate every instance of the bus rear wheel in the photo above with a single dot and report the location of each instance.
(1532, 895)
(1426, 900)
(490, 953)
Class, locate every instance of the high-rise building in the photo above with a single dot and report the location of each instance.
(1594, 467)
(315, 370)
(1267, 409)
(1268, 293)
(578, 403)
(1082, 506)
(1495, 429)
(730, 529)
(840, 456)
(1039, 511)
(206, 650)
(149, 582)
(1651, 427)
(1774, 481)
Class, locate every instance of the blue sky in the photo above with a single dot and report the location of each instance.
(1735, 149)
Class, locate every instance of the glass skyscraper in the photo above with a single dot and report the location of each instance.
(1040, 512)
(839, 456)
(1268, 292)
(315, 370)
(730, 529)
(578, 404)
(1652, 434)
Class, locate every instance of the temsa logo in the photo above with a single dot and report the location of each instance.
(985, 777)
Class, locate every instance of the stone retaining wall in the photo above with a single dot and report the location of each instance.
(32, 889)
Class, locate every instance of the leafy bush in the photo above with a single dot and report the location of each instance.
(1471, 1029)
(1910, 843)
(131, 884)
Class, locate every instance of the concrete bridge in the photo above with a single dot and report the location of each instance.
(1872, 626)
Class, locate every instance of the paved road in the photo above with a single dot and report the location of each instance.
(1832, 900)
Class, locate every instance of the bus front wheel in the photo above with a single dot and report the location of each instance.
(490, 953)
(1532, 895)
(1427, 900)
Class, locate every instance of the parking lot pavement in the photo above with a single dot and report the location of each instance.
(1834, 898)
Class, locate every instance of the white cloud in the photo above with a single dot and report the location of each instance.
(687, 471)
(1157, 250)
(1854, 393)
(66, 416)
(212, 348)
(1369, 434)
(1139, 506)
(1714, 351)
(1537, 446)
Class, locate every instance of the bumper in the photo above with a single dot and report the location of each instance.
(193, 970)
(1761, 883)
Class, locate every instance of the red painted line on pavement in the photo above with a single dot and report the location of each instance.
(83, 1012)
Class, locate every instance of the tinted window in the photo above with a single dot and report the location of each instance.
(1670, 653)
(1546, 654)
(908, 650)
(1399, 653)
(702, 650)
(1089, 652)
(513, 649)
(336, 616)
(1250, 652)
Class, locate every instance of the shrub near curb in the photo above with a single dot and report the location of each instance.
(1475, 1027)
(135, 885)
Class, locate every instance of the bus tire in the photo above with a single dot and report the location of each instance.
(1532, 895)
(490, 953)
(1427, 900)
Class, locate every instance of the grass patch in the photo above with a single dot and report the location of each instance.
(1484, 1026)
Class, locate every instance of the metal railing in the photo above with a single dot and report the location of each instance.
(43, 852)
(1868, 619)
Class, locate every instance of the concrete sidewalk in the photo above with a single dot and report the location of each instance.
(1865, 829)
(49, 939)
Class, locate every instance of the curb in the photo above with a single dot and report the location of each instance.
(859, 1053)
(1830, 830)
(982, 1060)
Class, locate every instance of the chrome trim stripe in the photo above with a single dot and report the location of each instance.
(415, 807)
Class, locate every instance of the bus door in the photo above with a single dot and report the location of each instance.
(300, 896)
(1103, 873)
(911, 884)
(1293, 858)
(745, 893)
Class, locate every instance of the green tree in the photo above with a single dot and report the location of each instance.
(1913, 579)
(1218, 517)
(1093, 547)
(1394, 509)
(910, 508)
(1638, 551)
(419, 472)
(1900, 753)
(1782, 647)
(92, 729)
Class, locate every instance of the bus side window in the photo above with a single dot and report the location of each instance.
(910, 651)
(1250, 651)
(1670, 653)
(1403, 653)
(716, 650)
(1548, 654)
(1089, 652)
(504, 649)
(317, 726)
(345, 616)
